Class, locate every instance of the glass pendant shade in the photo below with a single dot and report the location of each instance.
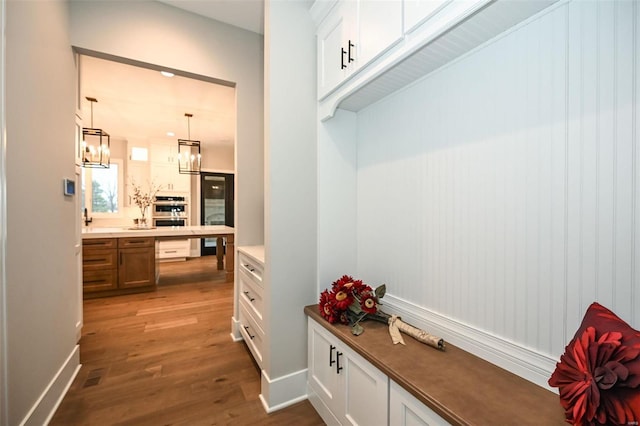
(189, 158)
(96, 144)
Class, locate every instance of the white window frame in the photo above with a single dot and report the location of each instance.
(88, 192)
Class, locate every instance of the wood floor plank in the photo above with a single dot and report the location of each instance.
(172, 308)
(166, 358)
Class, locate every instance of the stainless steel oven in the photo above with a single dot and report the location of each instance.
(170, 210)
(169, 221)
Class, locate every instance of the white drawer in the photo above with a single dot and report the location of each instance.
(169, 249)
(251, 293)
(252, 267)
(252, 334)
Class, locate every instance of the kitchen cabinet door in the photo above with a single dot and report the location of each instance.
(136, 262)
(168, 177)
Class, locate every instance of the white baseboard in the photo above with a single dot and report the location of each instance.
(45, 407)
(235, 330)
(530, 365)
(283, 391)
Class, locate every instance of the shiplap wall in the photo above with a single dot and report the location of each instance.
(502, 191)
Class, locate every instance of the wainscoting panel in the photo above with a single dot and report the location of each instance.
(502, 190)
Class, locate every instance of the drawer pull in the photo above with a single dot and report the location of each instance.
(338, 367)
(331, 360)
(246, 327)
(94, 281)
(171, 251)
(249, 267)
(251, 299)
(95, 260)
(136, 242)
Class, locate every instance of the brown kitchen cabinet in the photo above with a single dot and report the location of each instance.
(112, 266)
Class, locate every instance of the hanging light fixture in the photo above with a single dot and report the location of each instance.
(96, 144)
(189, 158)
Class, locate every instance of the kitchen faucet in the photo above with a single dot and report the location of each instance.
(87, 220)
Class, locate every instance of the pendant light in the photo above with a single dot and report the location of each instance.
(189, 158)
(96, 144)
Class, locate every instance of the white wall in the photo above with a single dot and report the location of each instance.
(41, 277)
(290, 197)
(502, 191)
(159, 34)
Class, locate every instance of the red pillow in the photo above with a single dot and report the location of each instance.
(598, 375)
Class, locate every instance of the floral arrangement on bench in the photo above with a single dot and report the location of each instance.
(351, 301)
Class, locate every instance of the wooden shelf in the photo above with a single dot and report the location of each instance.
(462, 388)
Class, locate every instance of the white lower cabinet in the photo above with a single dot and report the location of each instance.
(406, 410)
(173, 250)
(344, 388)
(249, 296)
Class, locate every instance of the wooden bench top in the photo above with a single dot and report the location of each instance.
(462, 388)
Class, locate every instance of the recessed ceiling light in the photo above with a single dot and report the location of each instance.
(167, 73)
(170, 134)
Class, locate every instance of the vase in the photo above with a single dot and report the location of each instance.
(142, 221)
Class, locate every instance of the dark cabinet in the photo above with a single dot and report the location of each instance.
(113, 266)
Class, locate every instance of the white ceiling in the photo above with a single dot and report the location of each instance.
(246, 14)
(139, 104)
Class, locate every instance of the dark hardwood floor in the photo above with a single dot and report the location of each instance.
(167, 358)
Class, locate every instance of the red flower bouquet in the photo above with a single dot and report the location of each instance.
(351, 301)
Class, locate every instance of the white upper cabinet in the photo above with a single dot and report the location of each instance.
(164, 168)
(416, 11)
(352, 34)
(336, 48)
(380, 27)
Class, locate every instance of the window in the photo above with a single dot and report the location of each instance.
(102, 190)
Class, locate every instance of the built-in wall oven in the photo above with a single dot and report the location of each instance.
(170, 210)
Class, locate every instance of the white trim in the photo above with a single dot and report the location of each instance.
(235, 330)
(526, 363)
(283, 391)
(4, 394)
(45, 407)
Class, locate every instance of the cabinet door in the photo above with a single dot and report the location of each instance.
(168, 177)
(366, 392)
(416, 11)
(336, 59)
(380, 27)
(136, 267)
(323, 376)
(164, 152)
(406, 410)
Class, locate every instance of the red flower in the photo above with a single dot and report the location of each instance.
(369, 304)
(343, 297)
(327, 307)
(340, 282)
(593, 376)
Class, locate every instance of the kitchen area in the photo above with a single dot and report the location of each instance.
(157, 182)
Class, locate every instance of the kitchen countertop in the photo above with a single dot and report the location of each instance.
(163, 232)
(255, 252)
